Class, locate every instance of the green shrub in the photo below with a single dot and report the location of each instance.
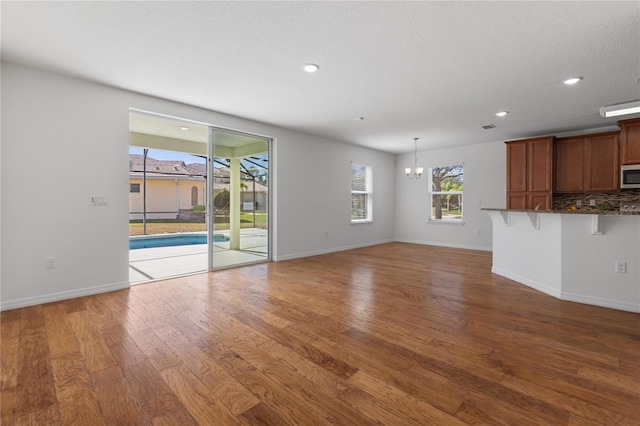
(198, 208)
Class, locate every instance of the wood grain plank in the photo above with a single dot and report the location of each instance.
(342, 403)
(625, 382)
(94, 350)
(174, 417)
(607, 397)
(411, 406)
(389, 334)
(223, 386)
(41, 416)
(77, 401)
(117, 402)
(62, 339)
(315, 355)
(10, 322)
(276, 382)
(203, 406)
(35, 390)
(570, 402)
(261, 414)
(144, 380)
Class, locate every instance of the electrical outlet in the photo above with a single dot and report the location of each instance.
(578, 203)
(621, 267)
(50, 262)
(592, 202)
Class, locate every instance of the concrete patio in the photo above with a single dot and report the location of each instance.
(148, 264)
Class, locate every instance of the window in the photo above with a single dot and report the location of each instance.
(194, 196)
(446, 193)
(360, 193)
(134, 187)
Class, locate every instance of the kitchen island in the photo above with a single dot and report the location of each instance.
(589, 257)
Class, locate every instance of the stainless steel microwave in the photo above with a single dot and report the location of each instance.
(630, 176)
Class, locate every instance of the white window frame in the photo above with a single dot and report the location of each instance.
(457, 221)
(368, 192)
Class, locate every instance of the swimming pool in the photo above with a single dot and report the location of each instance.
(139, 242)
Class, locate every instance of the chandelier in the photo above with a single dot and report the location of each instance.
(418, 170)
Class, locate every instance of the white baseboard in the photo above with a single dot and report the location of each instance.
(529, 282)
(570, 297)
(63, 295)
(600, 301)
(440, 244)
(329, 250)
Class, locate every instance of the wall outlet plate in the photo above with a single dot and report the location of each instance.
(621, 267)
(50, 262)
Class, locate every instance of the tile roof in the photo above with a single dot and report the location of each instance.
(176, 168)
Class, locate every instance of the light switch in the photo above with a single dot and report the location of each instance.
(99, 200)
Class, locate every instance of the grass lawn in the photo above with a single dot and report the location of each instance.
(246, 221)
(261, 219)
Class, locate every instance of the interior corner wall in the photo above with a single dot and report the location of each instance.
(484, 186)
(64, 140)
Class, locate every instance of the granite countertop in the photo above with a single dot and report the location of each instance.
(579, 211)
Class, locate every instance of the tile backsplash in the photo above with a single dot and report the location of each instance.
(602, 199)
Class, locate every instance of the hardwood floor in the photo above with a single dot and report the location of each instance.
(395, 334)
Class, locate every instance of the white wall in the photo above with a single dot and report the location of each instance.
(528, 255)
(484, 186)
(589, 274)
(315, 187)
(565, 259)
(64, 139)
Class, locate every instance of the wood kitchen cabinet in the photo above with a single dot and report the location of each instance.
(517, 167)
(587, 163)
(602, 167)
(530, 173)
(629, 141)
(569, 165)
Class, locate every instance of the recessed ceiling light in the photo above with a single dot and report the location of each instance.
(502, 113)
(311, 68)
(572, 80)
(184, 128)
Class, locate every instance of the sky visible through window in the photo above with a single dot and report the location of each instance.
(168, 155)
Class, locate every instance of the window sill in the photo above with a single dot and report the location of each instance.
(360, 222)
(445, 222)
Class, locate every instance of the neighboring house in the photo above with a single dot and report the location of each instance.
(174, 188)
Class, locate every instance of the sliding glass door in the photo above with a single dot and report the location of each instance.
(199, 197)
(238, 208)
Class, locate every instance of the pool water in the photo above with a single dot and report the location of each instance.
(173, 240)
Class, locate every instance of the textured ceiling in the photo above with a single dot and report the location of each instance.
(434, 70)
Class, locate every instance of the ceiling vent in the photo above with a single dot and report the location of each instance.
(489, 126)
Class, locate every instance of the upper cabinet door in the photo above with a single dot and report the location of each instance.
(540, 165)
(601, 155)
(569, 165)
(630, 141)
(517, 167)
